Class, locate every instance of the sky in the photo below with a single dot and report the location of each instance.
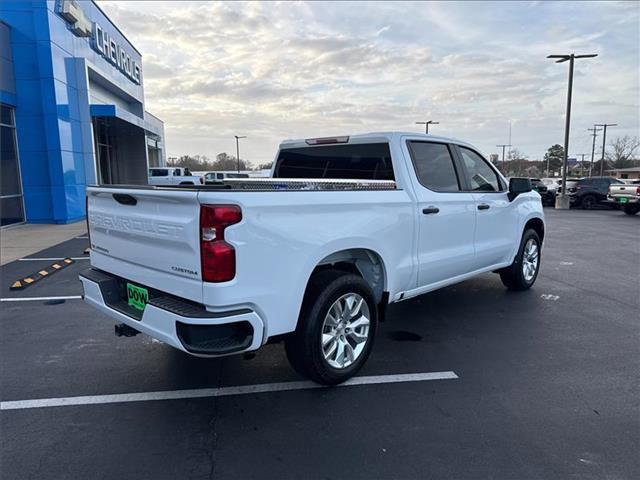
(273, 71)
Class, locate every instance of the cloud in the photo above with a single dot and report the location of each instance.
(286, 70)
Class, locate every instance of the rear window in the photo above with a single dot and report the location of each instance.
(158, 172)
(367, 161)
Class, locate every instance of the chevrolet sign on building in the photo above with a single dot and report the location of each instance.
(72, 109)
(115, 53)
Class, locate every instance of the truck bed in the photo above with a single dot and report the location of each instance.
(149, 235)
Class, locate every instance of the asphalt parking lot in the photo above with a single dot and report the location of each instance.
(547, 382)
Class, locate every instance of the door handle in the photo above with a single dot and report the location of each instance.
(483, 206)
(125, 199)
(430, 210)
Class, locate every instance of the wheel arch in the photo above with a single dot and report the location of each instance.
(537, 225)
(363, 262)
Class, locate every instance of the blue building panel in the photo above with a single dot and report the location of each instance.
(75, 74)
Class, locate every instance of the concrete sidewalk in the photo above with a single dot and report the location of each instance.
(22, 240)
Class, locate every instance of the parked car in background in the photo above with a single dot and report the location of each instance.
(547, 196)
(590, 192)
(552, 184)
(172, 176)
(346, 226)
(211, 177)
(625, 196)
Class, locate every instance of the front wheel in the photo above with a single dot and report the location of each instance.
(588, 202)
(336, 328)
(522, 273)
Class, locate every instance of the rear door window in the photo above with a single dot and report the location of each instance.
(367, 161)
(434, 166)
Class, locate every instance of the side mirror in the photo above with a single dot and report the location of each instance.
(518, 186)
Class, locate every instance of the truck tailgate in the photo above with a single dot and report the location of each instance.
(148, 236)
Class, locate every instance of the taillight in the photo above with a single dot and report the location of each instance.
(637, 190)
(217, 257)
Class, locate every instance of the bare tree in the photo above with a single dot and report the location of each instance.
(224, 161)
(622, 151)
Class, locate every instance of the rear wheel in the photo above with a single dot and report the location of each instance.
(631, 209)
(588, 202)
(522, 273)
(336, 328)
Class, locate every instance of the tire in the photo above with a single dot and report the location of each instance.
(516, 276)
(304, 347)
(631, 209)
(588, 202)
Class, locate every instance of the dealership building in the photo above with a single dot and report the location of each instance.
(72, 110)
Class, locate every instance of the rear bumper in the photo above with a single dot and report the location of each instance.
(184, 325)
(629, 199)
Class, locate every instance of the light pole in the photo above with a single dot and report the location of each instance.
(604, 139)
(426, 125)
(238, 150)
(563, 200)
(595, 131)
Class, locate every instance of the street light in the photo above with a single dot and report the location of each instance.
(238, 150)
(563, 200)
(426, 125)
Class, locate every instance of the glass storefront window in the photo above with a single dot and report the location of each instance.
(11, 206)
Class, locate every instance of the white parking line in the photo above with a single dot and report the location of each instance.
(50, 259)
(40, 299)
(218, 392)
(83, 236)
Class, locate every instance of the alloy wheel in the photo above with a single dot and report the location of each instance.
(345, 330)
(530, 259)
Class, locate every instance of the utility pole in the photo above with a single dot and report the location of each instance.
(563, 201)
(604, 140)
(582, 163)
(595, 131)
(503, 145)
(238, 151)
(426, 125)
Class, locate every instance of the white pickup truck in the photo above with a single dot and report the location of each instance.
(625, 196)
(172, 176)
(313, 255)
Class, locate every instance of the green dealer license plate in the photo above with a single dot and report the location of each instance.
(137, 296)
(623, 200)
